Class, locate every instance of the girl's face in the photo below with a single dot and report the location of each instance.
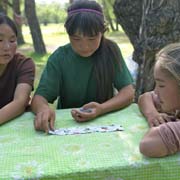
(85, 46)
(167, 89)
(8, 44)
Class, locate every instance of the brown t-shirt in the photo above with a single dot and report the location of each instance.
(19, 70)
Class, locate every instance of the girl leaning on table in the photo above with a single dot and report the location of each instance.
(84, 72)
(16, 73)
(162, 106)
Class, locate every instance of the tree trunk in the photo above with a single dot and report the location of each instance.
(150, 25)
(3, 6)
(72, 1)
(32, 19)
(117, 25)
(17, 12)
(107, 14)
(128, 14)
(110, 21)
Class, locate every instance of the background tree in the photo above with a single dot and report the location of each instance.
(71, 1)
(50, 13)
(129, 15)
(18, 20)
(150, 25)
(15, 10)
(109, 14)
(34, 26)
(3, 6)
(14, 6)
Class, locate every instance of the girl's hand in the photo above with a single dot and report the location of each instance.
(159, 118)
(44, 120)
(87, 112)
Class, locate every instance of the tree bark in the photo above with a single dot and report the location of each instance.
(32, 19)
(17, 12)
(128, 14)
(150, 25)
(3, 6)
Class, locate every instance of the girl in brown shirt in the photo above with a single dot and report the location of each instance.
(16, 73)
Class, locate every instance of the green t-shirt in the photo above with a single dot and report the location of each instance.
(70, 78)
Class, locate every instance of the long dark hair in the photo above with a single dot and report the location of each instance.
(86, 17)
(6, 20)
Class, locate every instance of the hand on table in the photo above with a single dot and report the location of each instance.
(87, 112)
(44, 120)
(159, 118)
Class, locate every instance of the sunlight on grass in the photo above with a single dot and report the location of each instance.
(54, 35)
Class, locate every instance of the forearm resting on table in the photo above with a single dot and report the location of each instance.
(146, 104)
(124, 97)
(18, 104)
(39, 103)
(12, 110)
(152, 144)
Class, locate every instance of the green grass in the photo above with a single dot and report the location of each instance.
(55, 35)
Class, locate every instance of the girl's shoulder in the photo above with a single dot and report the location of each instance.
(21, 60)
(111, 43)
(61, 52)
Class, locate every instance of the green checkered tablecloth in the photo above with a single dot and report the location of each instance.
(27, 154)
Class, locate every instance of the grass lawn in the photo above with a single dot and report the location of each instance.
(54, 35)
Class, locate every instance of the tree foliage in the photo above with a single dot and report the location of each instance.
(18, 21)
(51, 13)
(109, 13)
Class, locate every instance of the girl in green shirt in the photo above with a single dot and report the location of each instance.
(83, 73)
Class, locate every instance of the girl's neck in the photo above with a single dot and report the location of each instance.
(2, 68)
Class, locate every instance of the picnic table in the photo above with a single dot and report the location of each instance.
(29, 154)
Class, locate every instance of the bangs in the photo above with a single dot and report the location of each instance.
(6, 20)
(87, 24)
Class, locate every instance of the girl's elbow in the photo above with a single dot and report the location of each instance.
(145, 149)
(131, 95)
(22, 105)
(150, 150)
(152, 144)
